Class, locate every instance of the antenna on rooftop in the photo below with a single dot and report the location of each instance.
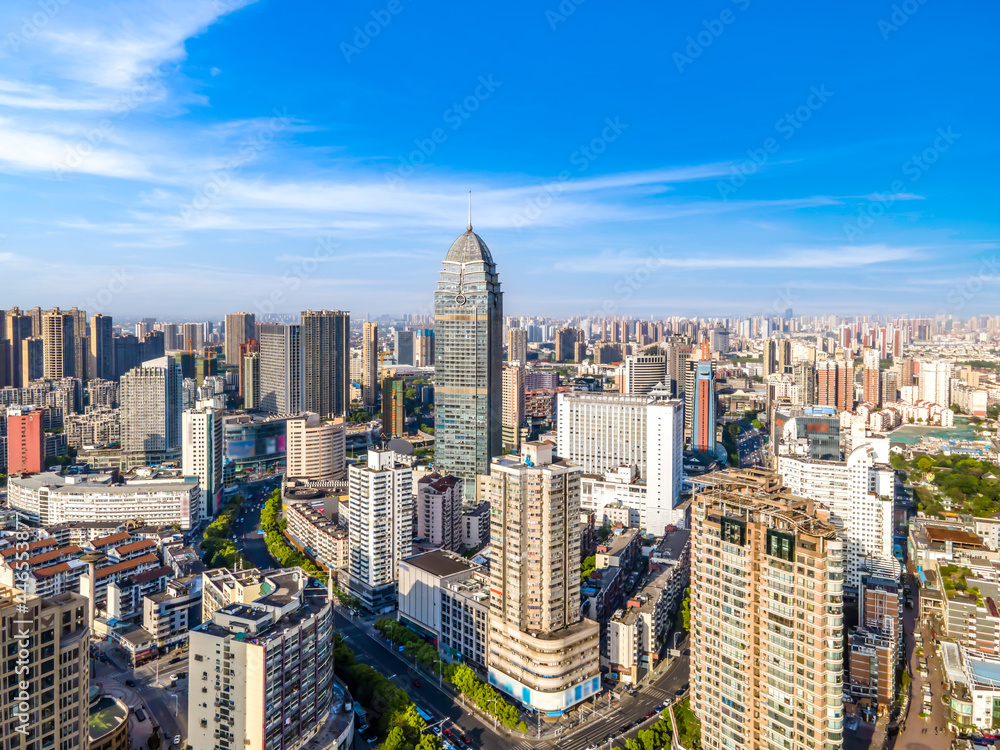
(470, 210)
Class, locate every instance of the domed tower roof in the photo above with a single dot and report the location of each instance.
(469, 248)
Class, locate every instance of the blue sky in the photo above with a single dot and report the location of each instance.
(184, 158)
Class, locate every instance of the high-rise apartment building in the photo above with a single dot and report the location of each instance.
(640, 373)
(679, 351)
(860, 495)
(58, 335)
(423, 347)
(935, 382)
(261, 672)
(369, 365)
(468, 356)
(439, 511)
(403, 347)
(316, 448)
(250, 379)
(280, 368)
(326, 353)
(767, 617)
(542, 651)
(602, 431)
(32, 360)
(870, 376)
(18, 328)
(151, 401)
(517, 346)
(393, 407)
(699, 404)
(240, 328)
(664, 466)
(247, 347)
(48, 667)
(566, 339)
(835, 384)
(513, 406)
(380, 527)
(102, 349)
(202, 455)
(25, 440)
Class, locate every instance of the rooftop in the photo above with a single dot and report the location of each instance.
(440, 563)
(105, 716)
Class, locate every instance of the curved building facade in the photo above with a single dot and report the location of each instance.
(468, 356)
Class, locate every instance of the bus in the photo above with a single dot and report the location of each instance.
(423, 714)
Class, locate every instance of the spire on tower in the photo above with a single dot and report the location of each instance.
(470, 210)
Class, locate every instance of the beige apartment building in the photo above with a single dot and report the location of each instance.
(513, 406)
(767, 616)
(541, 650)
(369, 365)
(316, 450)
(58, 655)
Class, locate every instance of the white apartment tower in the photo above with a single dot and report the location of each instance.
(599, 432)
(316, 448)
(541, 649)
(640, 373)
(380, 527)
(201, 453)
(280, 368)
(439, 511)
(151, 399)
(664, 466)
(935, 382)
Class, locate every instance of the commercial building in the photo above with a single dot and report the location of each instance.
(158, 497)
(513, 406)
(439, 511)
(402, 346)
(151, 412)
(54, 661)
(326, 350)
(699, 405)
(240, 328)
(446, 598)
(202, 454)
(25, 440)
(860, 495)
(107, 719)
(468, 356)
(640, 373)
(261, 673)
(256, 442)
(280, 368)
(423, 346)
(380, 527)
(766, 615)
(541, 650)
(316, 448)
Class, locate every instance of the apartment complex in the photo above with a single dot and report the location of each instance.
(316, 448)
(202, 454)
(326, 351)
(280, 368)
(261, 673)
(513, 406)
(517, 346)
(380, 527)
(240, 328)
(767, 616)
(369, 365)
(439, 511)
(57, 655)
(25, 440)
(541, 650)
(319, 536)
(151, 400)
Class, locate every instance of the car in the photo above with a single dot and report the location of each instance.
(447, 732)
(362, 729)
(661, 707)
(625, 727)
(679, 691)
(140, 714)
(176, 660)
(173, 678)
(650, 714)
(465, 739)
(416, 684)
(436, 730)
(177, 739)
(130, 683)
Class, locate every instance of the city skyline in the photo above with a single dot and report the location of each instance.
(151, 145)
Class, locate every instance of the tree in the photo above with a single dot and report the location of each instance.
(632, 744)
(924, 463)
(430, 742)
(395, 741)
(686, 610)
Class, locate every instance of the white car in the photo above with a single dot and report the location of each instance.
(177, 739)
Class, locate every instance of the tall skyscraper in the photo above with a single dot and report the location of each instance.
(403, 347)
(871, 380)
(381, 528)
(542, 651)
(664, 465)
(393, 407)
(517, 346)
(240, 327)
(767, 617)
(280, 368)
(935, 382)
(202, 455)
(151, 401)
(699, 401)
(468, 326)
(250, 379)
(326, 352)
(566, 339)
(513, 406)
(369, 365)
(59, 342)
(18, 327)
(423, 347)
(102, 352)
(54, 660)
(639, 373)
(32, 360)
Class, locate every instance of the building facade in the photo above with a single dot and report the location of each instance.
(326, 351)
(439, 511)
(316, 448)
(280, 368)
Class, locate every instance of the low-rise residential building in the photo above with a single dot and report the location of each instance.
(476, 525)
(221, 587)
(320, 537)
(169, 614)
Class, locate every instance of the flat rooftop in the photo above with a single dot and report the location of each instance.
(440, 563)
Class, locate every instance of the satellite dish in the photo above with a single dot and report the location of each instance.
(400, 446)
